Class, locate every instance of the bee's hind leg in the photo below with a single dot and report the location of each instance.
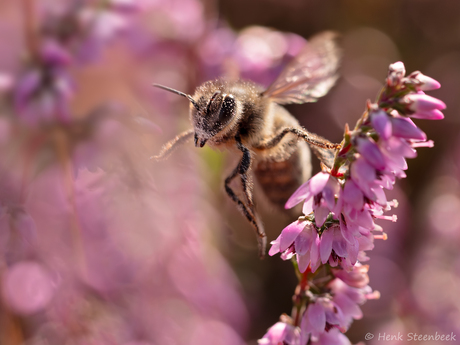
(170, 146)
(248, 209)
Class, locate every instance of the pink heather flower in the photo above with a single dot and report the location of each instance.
(333, 337)
(406, 129)
(334, 247)
(281, 333)
(298, 238)
(357, 277)
(319, 195)
(365, 177)
(319, 317)
(348, 299)
(381, 123)
(352, 195)
(395, 151)
(42, 94)
(371, 152)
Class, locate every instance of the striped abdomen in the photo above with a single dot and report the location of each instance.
(279, 179)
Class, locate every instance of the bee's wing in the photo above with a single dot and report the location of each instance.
(326, 156)
(310, 74)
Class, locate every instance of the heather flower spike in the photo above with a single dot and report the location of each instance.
(339, 209)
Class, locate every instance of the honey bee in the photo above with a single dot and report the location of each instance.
(240, 115)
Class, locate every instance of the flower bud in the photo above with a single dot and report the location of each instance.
(423, 103)
(423, 82)
(396, 72)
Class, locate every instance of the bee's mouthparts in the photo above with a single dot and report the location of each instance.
(199, 142)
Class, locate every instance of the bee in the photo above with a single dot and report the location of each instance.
(244, 117)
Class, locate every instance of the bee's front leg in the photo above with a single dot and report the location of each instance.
(247, 209)
(170, 146)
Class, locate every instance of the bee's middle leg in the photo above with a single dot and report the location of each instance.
(247, 209)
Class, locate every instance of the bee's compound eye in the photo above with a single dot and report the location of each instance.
(227, 109)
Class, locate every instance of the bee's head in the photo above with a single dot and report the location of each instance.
(211, 113)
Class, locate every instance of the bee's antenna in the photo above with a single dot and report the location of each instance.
(179, 93)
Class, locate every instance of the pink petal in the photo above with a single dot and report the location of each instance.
(314, 253)
(434, 114)
(302, 193)
(353, 195)
(362, 172)
(353, 251)
(304, 241)
(318, 182)
(321, 214)
(405, 128)
(426, 83)
(348, 306)
(382, 124)
(421, 102)
(364, 219)
(371, 152)
(334, 314)
(316, 317)
(329, 192)
(380, 196)
(276, 333)
(289, 234)
(346, 233)
(275, 248)
(307, 206)
(326, 245)
(303, 261)
(339, 245)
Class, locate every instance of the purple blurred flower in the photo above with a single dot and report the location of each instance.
(6, 82)
(260, 53)
(42, 93)
(28, 287)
